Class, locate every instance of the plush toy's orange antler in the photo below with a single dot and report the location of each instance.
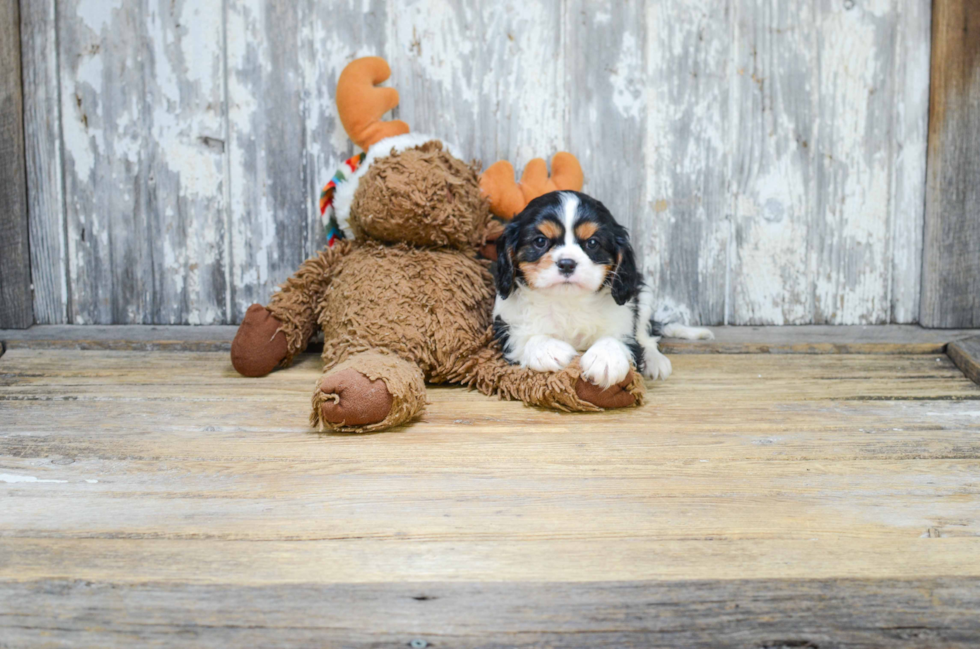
(507, 197)
(360, 104)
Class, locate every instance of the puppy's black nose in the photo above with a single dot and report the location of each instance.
(566, 266)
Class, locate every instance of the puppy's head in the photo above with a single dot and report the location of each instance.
(569, 242)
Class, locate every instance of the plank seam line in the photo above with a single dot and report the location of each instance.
(226, 161)
(68, 297)
(731, 185)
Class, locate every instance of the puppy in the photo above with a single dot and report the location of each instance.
(567, 283)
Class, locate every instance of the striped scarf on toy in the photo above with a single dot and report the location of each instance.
(330, 226)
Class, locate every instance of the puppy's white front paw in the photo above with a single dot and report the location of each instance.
(657, 365)
(606, 363)
(548, 354)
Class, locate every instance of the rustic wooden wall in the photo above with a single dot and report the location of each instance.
(769, 155)
(16, 310)
(951, 251)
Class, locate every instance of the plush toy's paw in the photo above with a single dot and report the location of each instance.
(620, 395)
(352, 399)
(258, 346)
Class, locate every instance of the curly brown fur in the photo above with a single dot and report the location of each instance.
(422, 196)
(300, 297)
(433, 309)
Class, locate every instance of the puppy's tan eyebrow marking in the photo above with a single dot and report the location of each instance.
(550, 229)
(586, 229)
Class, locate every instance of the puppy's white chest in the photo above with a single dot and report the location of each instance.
(570, 325)
(577, 320)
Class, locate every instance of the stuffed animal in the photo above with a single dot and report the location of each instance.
(406, 300)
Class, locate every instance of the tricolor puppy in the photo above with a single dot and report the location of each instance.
(567, 283)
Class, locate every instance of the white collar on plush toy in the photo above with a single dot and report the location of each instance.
(344, 194)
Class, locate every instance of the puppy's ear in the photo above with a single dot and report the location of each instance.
(503, 269)
(626, 278)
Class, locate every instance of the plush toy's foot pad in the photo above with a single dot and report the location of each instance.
(621, 395)
(257, 347)
(368, 392)
(353, 399)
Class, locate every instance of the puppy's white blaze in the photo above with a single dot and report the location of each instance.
(569, 212)
(607, 362)
(588, 276)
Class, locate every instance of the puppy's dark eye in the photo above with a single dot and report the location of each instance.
(592, 244)
(539, 242)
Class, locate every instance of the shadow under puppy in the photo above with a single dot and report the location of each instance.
(567, 283)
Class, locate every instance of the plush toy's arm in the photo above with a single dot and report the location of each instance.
(488, 372)
(270, 336)
(296, 304)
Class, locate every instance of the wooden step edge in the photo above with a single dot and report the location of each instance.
(965, 353)
(805, 339)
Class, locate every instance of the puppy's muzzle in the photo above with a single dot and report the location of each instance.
(566, 266)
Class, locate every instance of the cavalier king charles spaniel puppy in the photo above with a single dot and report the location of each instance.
(567, 283)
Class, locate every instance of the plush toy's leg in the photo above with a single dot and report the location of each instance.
(564, 390)
(271, 336)
(259, 344)
(367, 392)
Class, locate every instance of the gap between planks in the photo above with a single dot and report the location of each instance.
(806, 339)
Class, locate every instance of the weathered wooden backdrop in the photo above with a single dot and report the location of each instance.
(769, 155)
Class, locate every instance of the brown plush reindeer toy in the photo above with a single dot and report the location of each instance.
(407, 300)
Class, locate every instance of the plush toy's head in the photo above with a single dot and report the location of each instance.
(409, 188)
(421, 195)
(416, 189)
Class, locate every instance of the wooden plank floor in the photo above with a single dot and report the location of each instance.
(757, 500)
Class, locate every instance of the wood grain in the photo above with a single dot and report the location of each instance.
(608, 78)
(489, 77)
(332, 34)
(193, 168)
(966, 354)
(908, 146)
(16, 309)
(812, 339)
(818, 179)
(42, 132)
(738, 613)
(683, 228)
(142, 123)
(267, 171)
(854, 99)
(773, 177)
(758, 499)
(951, 250)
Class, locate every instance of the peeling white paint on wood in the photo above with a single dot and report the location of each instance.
(683, 228)
(768, 156)
(10, 478)
(43, 152)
